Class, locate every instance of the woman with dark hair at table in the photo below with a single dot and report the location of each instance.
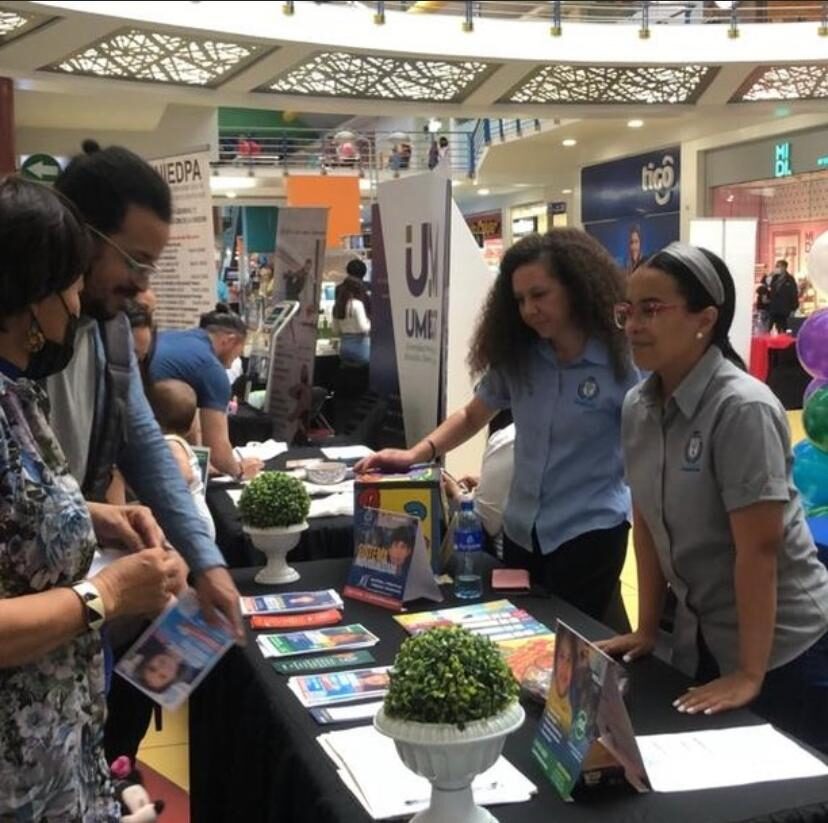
(547, 347)
(717, 517)
(52, 710)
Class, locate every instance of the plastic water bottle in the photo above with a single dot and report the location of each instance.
(468, 550)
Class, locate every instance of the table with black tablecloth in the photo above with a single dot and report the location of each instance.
(326, 537)
(254, 757)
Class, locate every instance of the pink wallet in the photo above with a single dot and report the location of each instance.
(510, 579)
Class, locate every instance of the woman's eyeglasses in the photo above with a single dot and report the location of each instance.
(644, 312)
(136, 268)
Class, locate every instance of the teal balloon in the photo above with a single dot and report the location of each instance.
(815, 418)
(810, 474)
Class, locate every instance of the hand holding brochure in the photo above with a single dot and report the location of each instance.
(355, 636)
(175, 653)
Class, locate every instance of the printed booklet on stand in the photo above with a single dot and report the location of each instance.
(390, 562)
(585, 717)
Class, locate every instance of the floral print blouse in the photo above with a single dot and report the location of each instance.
(52, 710)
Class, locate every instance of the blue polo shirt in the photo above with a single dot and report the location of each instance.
(189, 356)
(569, 474)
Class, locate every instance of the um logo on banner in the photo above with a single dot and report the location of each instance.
(422, 323)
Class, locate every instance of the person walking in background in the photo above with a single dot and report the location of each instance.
(784, 297)
(708, 456)
(351, 323)
(547, 347)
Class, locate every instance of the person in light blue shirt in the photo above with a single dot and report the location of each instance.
(548, 349)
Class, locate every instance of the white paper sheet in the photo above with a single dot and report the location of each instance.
(315, 490)
(264, 451)
(393, 790)
(347, 452)
(727, 757)
(334, 505)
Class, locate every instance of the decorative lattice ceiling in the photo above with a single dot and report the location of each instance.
(136, 54)
(14, 23)
(340, 74)
(784, 83)
(612, 84)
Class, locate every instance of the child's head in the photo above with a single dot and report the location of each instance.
(174, 405)
(159, 667)
(564, 661)
(400, 548)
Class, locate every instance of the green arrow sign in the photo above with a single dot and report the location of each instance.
(41, 167)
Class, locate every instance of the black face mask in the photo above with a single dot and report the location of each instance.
(54, 357)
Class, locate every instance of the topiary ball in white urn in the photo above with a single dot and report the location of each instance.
(273, 509)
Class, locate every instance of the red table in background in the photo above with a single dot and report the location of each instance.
(760, 345)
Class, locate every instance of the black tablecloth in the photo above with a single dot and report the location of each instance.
(326, 537)
(249, 424)
(253, 754)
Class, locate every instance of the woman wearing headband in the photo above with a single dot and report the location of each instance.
(716, 516)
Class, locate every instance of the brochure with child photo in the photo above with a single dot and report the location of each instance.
(340, 687)
(175, 653)
(291, 602)
(390, 564)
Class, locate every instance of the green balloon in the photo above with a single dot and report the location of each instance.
(815, 418)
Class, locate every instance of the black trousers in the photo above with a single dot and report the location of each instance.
(780, 321)
(128, 715)
(583, 571)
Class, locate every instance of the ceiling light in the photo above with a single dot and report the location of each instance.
(570, 141)
(566, 191)
(229, 183)
(434, 125)
(231, 194)
(483, 192)
(635, 124)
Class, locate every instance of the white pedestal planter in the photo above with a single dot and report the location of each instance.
(450, 759)
(276, 543)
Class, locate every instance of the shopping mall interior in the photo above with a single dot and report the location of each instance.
(299, 137)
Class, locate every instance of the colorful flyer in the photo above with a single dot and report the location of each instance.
(340, 687)
(497, 619)
(390, 564)
(354, 636)
(583, 698)
(175, 653)
(291, 602)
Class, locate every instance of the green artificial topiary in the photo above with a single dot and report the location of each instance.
(449, 675)
(274, 499)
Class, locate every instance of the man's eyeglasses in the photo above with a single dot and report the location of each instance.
(136, 268)
(644, 312)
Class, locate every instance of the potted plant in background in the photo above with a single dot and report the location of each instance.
(450, 704)
(273, 508)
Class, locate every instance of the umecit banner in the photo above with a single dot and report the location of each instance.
(297, 275)
(186, 279)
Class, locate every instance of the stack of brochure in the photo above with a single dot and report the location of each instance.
(340, 687)
(291, 602)
(391, 790)
(336, 638)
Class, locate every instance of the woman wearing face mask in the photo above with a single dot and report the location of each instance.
(716, 515)
(547, 348)
(51, 669)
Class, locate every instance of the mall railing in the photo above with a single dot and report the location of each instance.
(616, 11)
(365, 153)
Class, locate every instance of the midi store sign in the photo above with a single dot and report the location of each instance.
(645, 184)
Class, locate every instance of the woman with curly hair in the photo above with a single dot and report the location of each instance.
(547, 348)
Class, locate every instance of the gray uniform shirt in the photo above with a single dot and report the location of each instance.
(720, 444)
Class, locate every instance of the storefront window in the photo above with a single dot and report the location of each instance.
(791, 214)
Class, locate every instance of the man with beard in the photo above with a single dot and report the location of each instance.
(98, 408)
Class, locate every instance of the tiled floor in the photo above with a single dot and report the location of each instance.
(167, 751)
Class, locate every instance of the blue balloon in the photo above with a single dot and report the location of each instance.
(810, 474)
